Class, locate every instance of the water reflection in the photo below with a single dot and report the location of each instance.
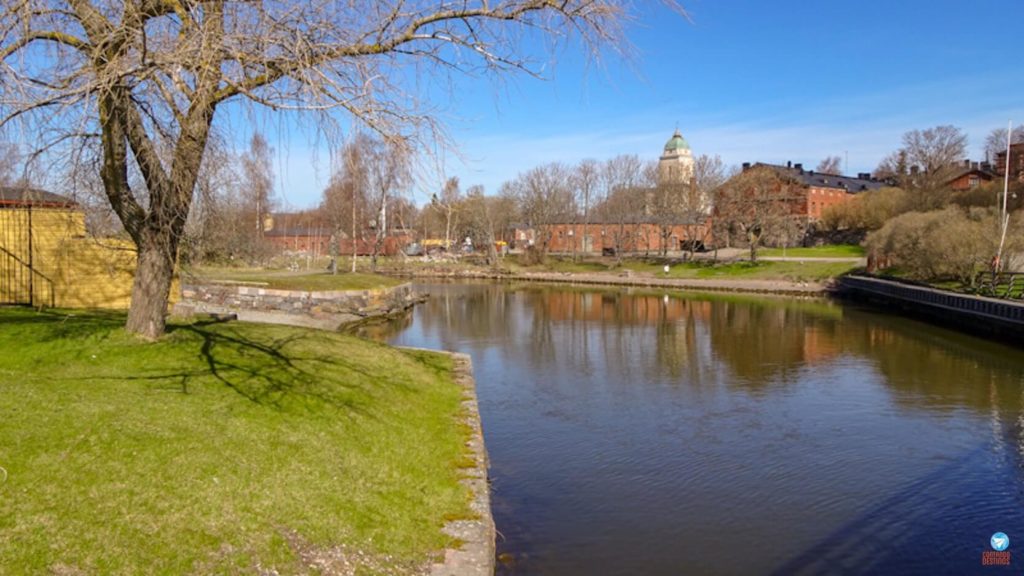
(651, 433)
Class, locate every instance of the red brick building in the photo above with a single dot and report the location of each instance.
(819, 191)
(299, 233)
(308, 234)
(1016, 162)
(631, 235)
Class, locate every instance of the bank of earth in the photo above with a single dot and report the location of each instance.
(225, 447)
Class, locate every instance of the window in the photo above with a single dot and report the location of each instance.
(973, 181)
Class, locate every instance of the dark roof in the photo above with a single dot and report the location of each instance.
(821, 180)
(988, 174)
(32, 197)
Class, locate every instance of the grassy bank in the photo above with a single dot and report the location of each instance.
(285, 280)
(223, 448)
(794, 271)
(830, 251)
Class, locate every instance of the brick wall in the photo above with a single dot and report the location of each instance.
(818, 199)
(629, 237)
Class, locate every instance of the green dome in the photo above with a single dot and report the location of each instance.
(677, 142)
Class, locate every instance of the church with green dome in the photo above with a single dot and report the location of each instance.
(676, 163)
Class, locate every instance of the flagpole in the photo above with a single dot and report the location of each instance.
(1004, 218)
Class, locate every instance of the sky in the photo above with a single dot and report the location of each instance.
(750, 81)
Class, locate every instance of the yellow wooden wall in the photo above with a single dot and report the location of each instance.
(72, 270)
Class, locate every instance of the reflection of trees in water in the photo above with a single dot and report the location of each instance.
(936, 367)
(682, 345)
(757, 342)
(467, 313)
(626, 336)
(762, 343)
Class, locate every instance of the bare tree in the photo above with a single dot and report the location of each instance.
(586, 181)
(925, 164)
(484, 216)
(830, 165)
(664, 204)
(894, 169)
(9, 161)
(216, 228)
(935, 152)
(623, 203)
(448, 204)
(346, 197)
(545, 198)
(709, 173)
(258, 189)
(995, 142)
(387, 174)
(142, 81)
(759, 203)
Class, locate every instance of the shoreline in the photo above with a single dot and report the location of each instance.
(750, 286)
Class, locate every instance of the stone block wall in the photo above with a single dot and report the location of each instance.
(292, 306)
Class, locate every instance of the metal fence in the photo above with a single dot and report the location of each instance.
(1002, 285)
(21, 283)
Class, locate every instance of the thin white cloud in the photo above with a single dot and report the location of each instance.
(861, 128)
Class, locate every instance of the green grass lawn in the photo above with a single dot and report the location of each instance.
(222, 448)
(560, 264)
(832, 251)
(808, 270)
(793, 271)
(284, 280)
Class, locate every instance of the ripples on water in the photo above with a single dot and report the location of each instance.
(654, 434)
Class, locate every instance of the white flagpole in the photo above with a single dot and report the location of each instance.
(1004, 218)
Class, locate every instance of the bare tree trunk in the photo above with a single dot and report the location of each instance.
(380, 232)
(492, 251)
(150, 291)
(448, 229)
(355, 248)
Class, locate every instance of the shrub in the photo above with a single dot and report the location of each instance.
(867, 211)
(952, 243)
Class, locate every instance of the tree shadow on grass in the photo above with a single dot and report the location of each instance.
(281, 373)
(296, 371)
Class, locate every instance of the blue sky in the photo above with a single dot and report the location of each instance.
(747, 80)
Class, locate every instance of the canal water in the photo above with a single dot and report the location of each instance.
(661, 433)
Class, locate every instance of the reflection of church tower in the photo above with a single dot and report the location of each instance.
(676, 164)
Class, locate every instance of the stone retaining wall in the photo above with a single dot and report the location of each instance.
(965, 312)
(321, 309)
(475, 555)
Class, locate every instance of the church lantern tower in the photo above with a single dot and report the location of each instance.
(676, 163)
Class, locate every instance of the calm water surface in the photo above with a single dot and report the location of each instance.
(662, 434)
